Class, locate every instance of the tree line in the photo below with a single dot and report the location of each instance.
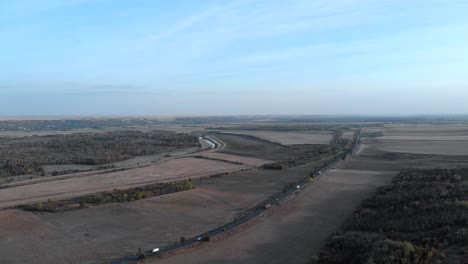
(19, 156)
(422, 217)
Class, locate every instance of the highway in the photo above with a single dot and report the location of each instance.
(280, 198)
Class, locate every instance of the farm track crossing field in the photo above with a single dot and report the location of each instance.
(176, 169)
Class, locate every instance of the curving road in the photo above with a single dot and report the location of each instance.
(280, 199)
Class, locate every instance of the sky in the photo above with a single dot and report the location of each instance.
(245, 57)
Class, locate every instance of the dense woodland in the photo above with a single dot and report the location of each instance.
(26, 155)
(421, 218)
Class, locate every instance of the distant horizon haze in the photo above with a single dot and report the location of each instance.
(170, 118)
(245, 57)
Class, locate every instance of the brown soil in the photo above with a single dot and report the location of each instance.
(175, 169)
(290, 137)
(252, 147)
(236, 159)
(297, 228)
(98, 234)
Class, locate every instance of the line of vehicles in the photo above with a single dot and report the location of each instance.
(206, 237)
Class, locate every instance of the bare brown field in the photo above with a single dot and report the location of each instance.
(298, 229)
(252, 147)
(236, 159)
(425, 132)
(90, 170)
(175, 169)
(291, 232)
(406, 146)
(287, 234)
(290, 137)
(248, 146)
(133, 162)
(426, 128)
(434, 147)
(400, 161)
(99, 234)
(426, 139)
(373, 129)
(349, 135)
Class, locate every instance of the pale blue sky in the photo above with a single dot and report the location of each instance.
(150, 57)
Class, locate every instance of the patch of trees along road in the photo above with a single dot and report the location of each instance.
(114, 196)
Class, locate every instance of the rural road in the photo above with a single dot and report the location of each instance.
(280, 199)
(297, 229)
(208, 143)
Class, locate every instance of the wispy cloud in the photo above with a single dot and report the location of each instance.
(191, 20)
(251, 47)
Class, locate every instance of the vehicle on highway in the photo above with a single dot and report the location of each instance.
(155, 250)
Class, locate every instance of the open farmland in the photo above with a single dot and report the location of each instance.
(427, 129)
(400, 161)
(90, 235)
(254, 162)
(289, 137)
(441, 140)
(300, 225)
(99, 234)
(249, 146)
(305, 223)
(175, 169)
(85, 149)
(349, 135)
(435, 147)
